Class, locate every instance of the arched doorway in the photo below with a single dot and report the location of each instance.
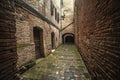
(53, 40)
(38, 40)
(68, 38)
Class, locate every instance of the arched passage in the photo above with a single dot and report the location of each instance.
(53, 40)
(38, 40)
(68, 38)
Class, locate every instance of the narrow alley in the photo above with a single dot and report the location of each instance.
(59, 39)
(63, 64)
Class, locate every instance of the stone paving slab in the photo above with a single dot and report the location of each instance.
(64, 64)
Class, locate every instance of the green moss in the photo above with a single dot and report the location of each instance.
(22, 46)
(61, 60)
(26, 66)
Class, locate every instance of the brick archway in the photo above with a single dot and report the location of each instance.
(68, 38)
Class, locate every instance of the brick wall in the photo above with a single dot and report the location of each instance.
(67, 25)
(8, 55)
(97, 32)
(25, 22)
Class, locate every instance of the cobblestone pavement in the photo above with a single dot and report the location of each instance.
(63, 64)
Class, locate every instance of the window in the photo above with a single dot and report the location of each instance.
(52, 8)
(55, 14)
(58, 17)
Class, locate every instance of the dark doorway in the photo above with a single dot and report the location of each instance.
(38, 40)
(69, 39)
(53, 40)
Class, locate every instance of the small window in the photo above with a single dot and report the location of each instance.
(55, 14)
(58, 17)
(52, 8)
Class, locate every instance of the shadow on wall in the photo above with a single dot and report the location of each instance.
(68, 38)
(8, 49)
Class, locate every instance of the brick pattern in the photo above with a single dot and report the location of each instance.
(67, 25)
(38, 5)
(25, 22)
(97, 32)
(8, 55)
